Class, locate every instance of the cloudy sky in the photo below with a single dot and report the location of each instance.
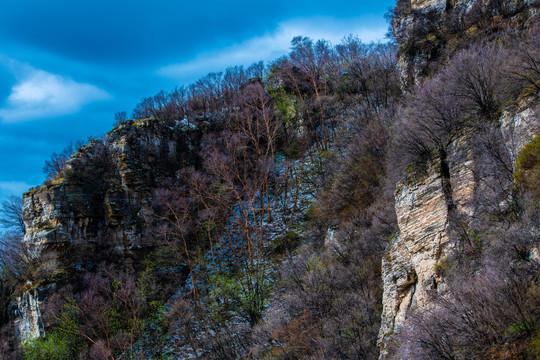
(67, 66)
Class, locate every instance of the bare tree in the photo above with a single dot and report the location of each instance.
(179, 97)
(14, 257)
(205, 94)
(369, 71)
(528, 59)
(58, 160)
(107, 315)
(144, 109)
(119, 118)
(479, 77)
(244, 182)
(427, 122)
(315, 61)
(178, 232)
(8, 344)
(255, 70)
(11, 214)
(256, 119)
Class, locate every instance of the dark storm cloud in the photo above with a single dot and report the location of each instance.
(134, 32)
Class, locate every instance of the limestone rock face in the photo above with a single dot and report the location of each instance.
(439, 5)
(414, 57)
(519, 125)
(430, 209)
(27, 317)
(425, 221)
(106, 188)
(95, 209)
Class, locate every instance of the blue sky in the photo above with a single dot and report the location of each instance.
(67, 66)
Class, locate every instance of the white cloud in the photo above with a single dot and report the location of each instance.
(39, 94)
(272, 45)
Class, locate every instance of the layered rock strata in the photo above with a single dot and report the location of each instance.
(431, 212)
(95, 209)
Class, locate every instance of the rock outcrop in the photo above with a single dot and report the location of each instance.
(95, 209)
(434, 208)
(428, 30)
(519, 125)
(27, 316)
(431, 211)
(428, 210)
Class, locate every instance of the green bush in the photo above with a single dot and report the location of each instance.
(288, 242)
(62, 343)
(527, 175)
(53, 347)
(243, 295)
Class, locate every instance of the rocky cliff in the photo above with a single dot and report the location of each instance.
(429, 30)
(433, 207)
(410, 265)
(94, 210)
(429, 210)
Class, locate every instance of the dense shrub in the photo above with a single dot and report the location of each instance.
(53, 347)
(527, 172)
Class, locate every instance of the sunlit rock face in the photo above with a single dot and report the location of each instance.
(410, 275)
(96, 208)
(427, 227)
(429, 4)
(427, 224)
(27, 316)
(519, 125)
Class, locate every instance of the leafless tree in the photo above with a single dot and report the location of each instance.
(244, 182)
(178, 231)
(314, 62)
(58, 160)
(479, 77)
(107, 315)
(528, 58)
(205, 94)
(11, 214)
(144, 109)
(255, 71)
(370, 72)
(431, 116)
(119, 118)
(8, 344)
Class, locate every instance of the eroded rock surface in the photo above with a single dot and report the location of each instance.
(431, 211)
(27, 316)
(95, 209)
(427, 215)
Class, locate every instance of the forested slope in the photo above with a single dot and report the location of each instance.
(349, 201)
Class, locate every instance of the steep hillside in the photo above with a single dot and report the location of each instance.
(345, 202)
